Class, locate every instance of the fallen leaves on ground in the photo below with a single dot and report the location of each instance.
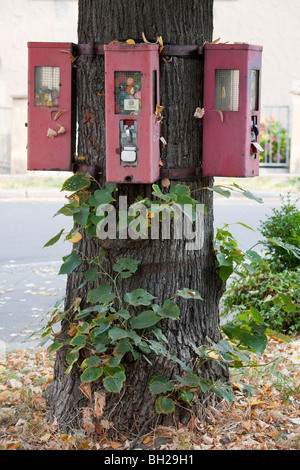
(269, 420)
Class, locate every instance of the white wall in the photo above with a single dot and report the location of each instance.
(22, 21)
(273, 24)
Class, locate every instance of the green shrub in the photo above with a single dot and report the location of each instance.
(282, 233)
(276, 295)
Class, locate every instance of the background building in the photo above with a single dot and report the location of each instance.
(22, 21)
(271, 23)
(276, 26)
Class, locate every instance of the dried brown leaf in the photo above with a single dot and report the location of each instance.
(106, 424)
(115, 445)
(86, 390)
(57, 114)
(62, 129)
(51, 133)
(247, 425)
(199, 113)
(145, 39)
(164, 142)
(215, 41)
(221, 114)
(87, 419)
(167, 60)
(165, 182)
(99, 404)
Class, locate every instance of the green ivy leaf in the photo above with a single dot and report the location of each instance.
(124, 314)
(220, 190)
(116, 333)
(91, 275)
(225, 272)
(81, 217)
(71, 262)
(143, 346)
(164, 405)
(100, 197)
(156, 190)
(255, 315)
(169, 310)
(224, 260)
(98, 337)
(253, 256)
(126, 267)
(72, 356)
(228, 351)
(87, 311)
(54, 240)
(180, 190)
(223, 392)
(255, 340)
(102, 294)
(250, 195)
(92, 361)
(68, 209)
(55, 346)
(114, 361)
(157, 347)
(109, 371)
(124, 345)
(189, 294)
(138, 297)
(159, 334)
(78, 340)
(83, 328)
(181, 363)
(91, 373)
(114, 383)
(145, 319)
(190, 380)
(76, 182)
(185, 395)
(160, 384)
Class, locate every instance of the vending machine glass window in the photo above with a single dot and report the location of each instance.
(46, 86)
(227, 90)
(254, 90)
(128, 92)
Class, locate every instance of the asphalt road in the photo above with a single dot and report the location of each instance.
(29, 280)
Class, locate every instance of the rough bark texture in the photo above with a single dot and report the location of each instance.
(165, 265)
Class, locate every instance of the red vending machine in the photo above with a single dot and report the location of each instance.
(132, 127)
(232, 83)
(51, 125)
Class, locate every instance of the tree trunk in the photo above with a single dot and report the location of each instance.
(166, 265)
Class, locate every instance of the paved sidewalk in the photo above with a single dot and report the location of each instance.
(56, 193)
(28, 293)
(32, 194)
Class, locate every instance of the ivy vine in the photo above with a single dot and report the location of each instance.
(109, 327)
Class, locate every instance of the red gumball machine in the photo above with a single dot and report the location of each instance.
(232, 84)
(51, 113)
(132, 125)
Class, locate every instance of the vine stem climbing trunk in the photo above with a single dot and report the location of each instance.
(166, 265)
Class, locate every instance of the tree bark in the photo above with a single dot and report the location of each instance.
(166, 265)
